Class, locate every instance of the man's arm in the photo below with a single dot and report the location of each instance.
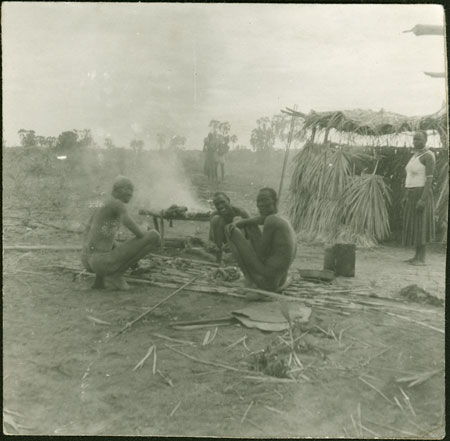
(241, 223)
(128, 221)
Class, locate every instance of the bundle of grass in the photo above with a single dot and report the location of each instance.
(366, 212)
(323, 178)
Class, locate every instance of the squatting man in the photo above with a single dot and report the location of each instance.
(101, 253)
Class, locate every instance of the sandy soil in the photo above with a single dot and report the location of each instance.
(62, 374)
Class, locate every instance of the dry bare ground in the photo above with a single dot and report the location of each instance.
(372, 371)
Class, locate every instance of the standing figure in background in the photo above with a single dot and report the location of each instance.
(210, 150)
(222, 151)
(101, 254)
(418, 221)
(264, 260)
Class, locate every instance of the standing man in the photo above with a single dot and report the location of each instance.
(210, 150)
(222, 151)
(101, 254)
(264, 260)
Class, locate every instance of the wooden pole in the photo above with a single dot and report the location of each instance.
(286, 155)
(148, 311)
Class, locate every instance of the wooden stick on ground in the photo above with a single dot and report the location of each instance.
(377, 390)
(148, 311)
(42, 247)
(211, 363)
(246, 412)
(416, 321)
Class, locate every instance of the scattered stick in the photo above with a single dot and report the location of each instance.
(174, 340)
(175, 409)
(182, 259)
(205, 340)
(270, 379)
(358, 431)
(208, 338)
(369, 431)
(242, 339)
(376, 390)
(130, 324)
(416, 379)
(96, 320)
(211, 363)
(246, 412)
(154, 361)
(42, 248)
(255, 425)
(215, 371)
(141, 363)
(400, 406)
(359, 416)
(272, 409)
(408, 401)
(416, 321)
(165, 378)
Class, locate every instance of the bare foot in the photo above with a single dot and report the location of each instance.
(287, 282)
(119, 283)
(412, 259)
(99, 282)
(417, 263)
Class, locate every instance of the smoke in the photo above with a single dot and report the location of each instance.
(162, 182)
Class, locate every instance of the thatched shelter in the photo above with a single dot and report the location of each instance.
(352, 190)
(371, 123)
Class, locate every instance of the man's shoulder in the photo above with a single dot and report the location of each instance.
(276, 219)
(115, 205)
(239, 212)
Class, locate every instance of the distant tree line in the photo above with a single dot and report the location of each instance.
(66, 141)
(268, 130)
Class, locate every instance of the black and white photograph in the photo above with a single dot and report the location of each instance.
(224, 219)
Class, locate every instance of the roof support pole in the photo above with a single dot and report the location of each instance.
(286, 155)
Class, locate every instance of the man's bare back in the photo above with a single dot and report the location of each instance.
(278, 243)
(101, 254)
(103, 227)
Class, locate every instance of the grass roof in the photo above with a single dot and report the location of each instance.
(371, 123)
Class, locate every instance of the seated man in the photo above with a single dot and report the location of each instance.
(264, 260)
(101, 254)
(223, 216)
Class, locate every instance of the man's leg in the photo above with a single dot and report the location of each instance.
(217, 234)
(115, 263)
(245, 255)
(132, 251)
(99, 282)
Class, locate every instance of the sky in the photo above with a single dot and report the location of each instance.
(130, 71)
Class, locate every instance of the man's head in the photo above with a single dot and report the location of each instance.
(222, 203)
(122, 189)
(420, 139)
(267, 201)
